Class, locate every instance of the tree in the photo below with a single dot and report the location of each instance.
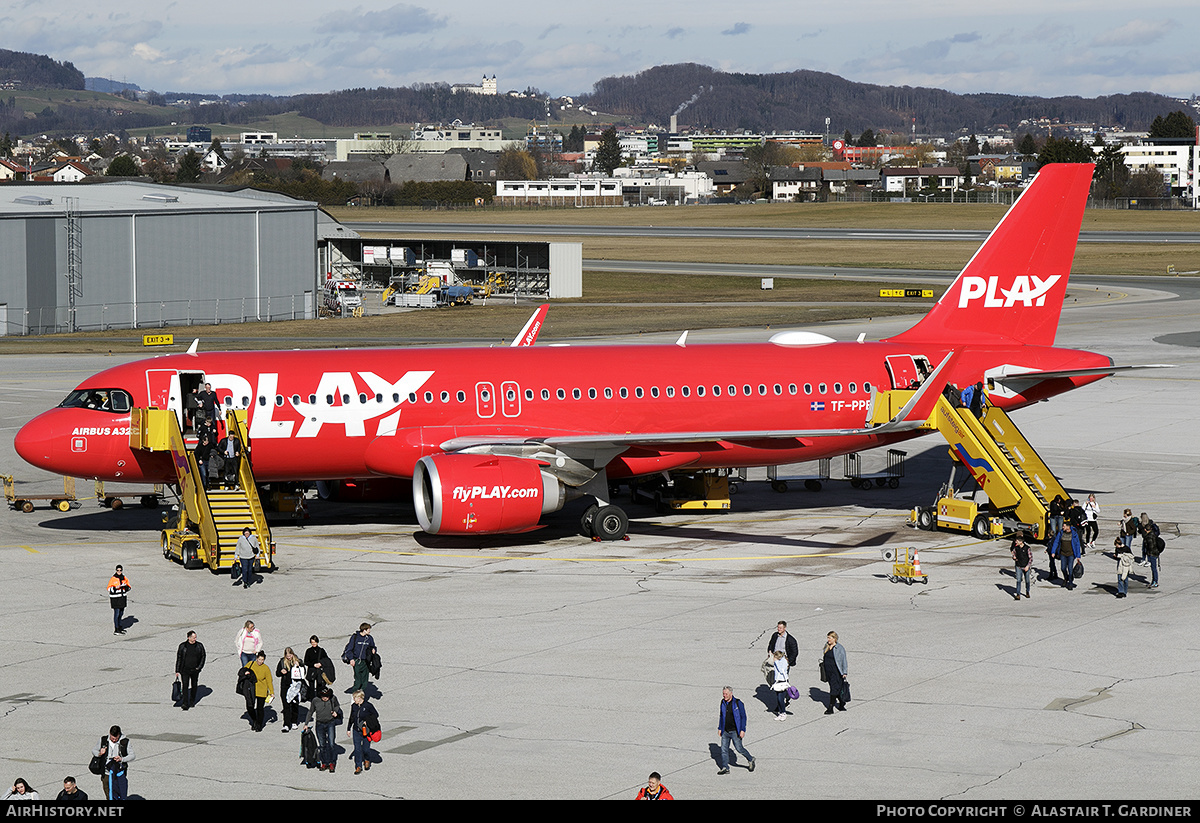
(515, 163)
(122, 166)
(1028, 146)
(1111, 175)
(608, 153)
(1175, 124)
(761, 159)
(1146, 182)
(189, 168)
(867, 138)
(1065, 150)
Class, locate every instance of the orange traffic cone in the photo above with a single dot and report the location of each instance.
(917, 564)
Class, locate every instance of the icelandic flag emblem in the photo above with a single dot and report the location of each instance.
(817, 405)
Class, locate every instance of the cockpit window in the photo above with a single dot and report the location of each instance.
(116, 401)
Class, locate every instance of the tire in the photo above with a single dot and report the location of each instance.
(881, 482)
(981, 528)
(610, 523)
(925, 519)
(779, 486)
(117, 504)
(893, 483)
(26, 506)
(587, 520)
(812, 485)
(166, 550)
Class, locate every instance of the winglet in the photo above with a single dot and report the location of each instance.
(532, 327)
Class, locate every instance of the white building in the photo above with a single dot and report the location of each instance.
(487, 87)
(1174, 163)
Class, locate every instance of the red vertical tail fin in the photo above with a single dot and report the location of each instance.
(1012, 290)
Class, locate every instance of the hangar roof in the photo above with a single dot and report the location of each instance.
(132, 197)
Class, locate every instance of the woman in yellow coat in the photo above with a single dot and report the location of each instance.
(264, 689)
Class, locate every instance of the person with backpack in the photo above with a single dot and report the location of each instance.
(325, 714)
(359, 651)
(1152, 546)
(110, 760)
(1066, 555)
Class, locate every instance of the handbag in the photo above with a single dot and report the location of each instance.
(793, 693)
(1077, 569)
(176, 691)
(845, 691)
(821, 669)
(96, 765)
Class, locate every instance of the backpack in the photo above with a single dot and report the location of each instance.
(348, 652)
(308, 749)
(1159, 545)
(246, 682)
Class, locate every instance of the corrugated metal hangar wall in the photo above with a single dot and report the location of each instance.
(143, 255)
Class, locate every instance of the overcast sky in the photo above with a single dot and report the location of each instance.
(1047, 47)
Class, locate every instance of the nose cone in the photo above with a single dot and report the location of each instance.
(37, 443)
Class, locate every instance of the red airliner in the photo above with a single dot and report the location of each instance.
(495, 438)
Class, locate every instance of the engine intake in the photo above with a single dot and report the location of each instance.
(483, 494)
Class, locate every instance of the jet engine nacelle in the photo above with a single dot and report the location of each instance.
(483, 494)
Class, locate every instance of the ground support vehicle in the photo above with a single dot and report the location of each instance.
(906, 566)
(812, 482)
(23, 501)
(116, 500)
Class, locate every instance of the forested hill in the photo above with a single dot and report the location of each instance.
(38, 71)
(801, 100)
(422, 103)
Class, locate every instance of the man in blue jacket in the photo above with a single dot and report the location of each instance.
(732, 726)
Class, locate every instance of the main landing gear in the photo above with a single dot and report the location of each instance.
(605, 522)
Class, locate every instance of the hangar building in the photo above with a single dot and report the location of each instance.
(140, 255)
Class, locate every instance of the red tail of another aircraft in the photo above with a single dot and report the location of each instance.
(1012, 290)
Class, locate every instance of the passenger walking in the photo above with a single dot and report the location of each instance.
(363, 724)
(118, 589)
(324, 714)
(1129, 528)
(318, 666)
(1091, 523)
(731, 724)
(837, 671)
(781, 685)
(249, 642)
(113, 756)
(359, 651)
(1152, 546)
(1124, 556)
(203, 453)
(244, 554)
(20, 791)
(292, 685)
(189, 660)
(1066, 555)
(71, 793)
(784, 642)
(1022, 565)
(264, 690)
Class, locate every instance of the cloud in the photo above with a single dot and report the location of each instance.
(1136, 33)
(672, 33)
(397, 21)
(738, 28)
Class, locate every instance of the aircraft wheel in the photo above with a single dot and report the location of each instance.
(610, 523)
(587, 520)
(779, 486)
(812, 485)
(925, 519)
(981, 528)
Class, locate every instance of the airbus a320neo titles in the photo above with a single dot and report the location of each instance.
(495, 438)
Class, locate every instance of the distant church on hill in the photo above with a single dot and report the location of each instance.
(487, 87)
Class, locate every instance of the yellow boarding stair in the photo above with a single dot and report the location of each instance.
(211, 522)
(1004, 464)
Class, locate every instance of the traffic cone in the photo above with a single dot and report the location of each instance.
(917, 564)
